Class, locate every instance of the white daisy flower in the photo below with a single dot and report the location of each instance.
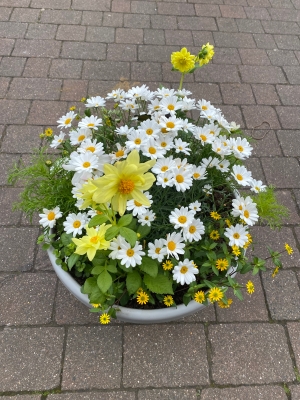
(187, 104)
(152, 150)
(241, 148)
(140, 92)
(136, 139)
(170, 104)
(49, 217)
(124, 130)
(183, 92)
(117, 95)
(183, 163)
(237, 235)
(138, 208)
(246, 209)
(91, 146)
(91, 122)
(182, 179)
(214, 130)
(150, 127)
(194, 231)
(154, 106)
(84, 162)
(95, 102)
(187, 126)
(164, 92)
(166, 179)
(257, 186)
(184, 272)
(146, 218)
(196, 206)
(174, 245)
(222, 121)
(165, 141)
(170, 125)
(199, 173)
(181, 147)
(156, 251)
(207, 189)
(57, 140)
(211, 114)
(79, 135)
(234, 127)
(241, 175)
(202, 134)
(225, 143)
(219, 148)
(115, 246)
(122, 152)
(128, 105)
(66, 120)
(163, 165)
(223, 165)
(130, 256)
(209, 162)
(203, 105)
(181, 217)
(74, 223)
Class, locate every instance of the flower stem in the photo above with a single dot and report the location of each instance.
(181, 81)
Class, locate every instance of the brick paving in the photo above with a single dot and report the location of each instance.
(54, 52)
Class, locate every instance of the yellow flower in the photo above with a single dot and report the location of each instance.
(167, 265)
(104, 319)
(214, 235)
(199, 296)
(183, 60)
(83, 99)
(215, 215)
(250, 287)
(72, 108)
(247, 244)
(168, 300)
(93, 241)
(140, 290)
(215, 294)
(206, 54)
(228, 223)
(86, 193)
(236, 250)
(275, 272)
(142, 298)
(48, 132)
(288, 249)
(221, 303)
(222, 264)
(94, 305)
(124, 181)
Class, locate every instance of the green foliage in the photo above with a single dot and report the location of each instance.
(269, 209)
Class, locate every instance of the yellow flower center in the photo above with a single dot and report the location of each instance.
(240, 148)
(136, 203)
(184, 269)
(51, 216)
(91, 124)
(192, 229)
(130, 252)
(171, 107)
(120, 153)
(164, 168)
(86, 164)
(239, 177)
(204, 107)
(81, 138)
(236, 235)
(76, 224)
(137, 141)
(163, 144)
(157, 250)
(240, 207)
(196, 175)
(179, 178)
(152, 150)
(170, 125)
(163, 130)
(91, 149)
(171, 245)
(126, 186)
(94, 239)
(204, 138)
(67, 121)
(212, 132)
(246, 214)
(149, 131)
(182, 219)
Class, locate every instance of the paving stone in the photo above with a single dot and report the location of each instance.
(287, 42)
(244, 353)
(116, 395)
(41, 31)
(7, 197)
(23, 397)
(165, 356)
(284, 14)
(46, 112)
(154, 36)
(35, 294)
(200, 38)
(295, 391)
(292, 74)
(120, 6)
(93, 358)
(218, 73)
(208, 10)
(21, 139)
(6, 46)
(17, 255)
(70, 17)
(244, 392)
(35, 88)
(282, 172)
(290, 95)
(131, 21)
(143, 7)
(196, 23)
(34, 351)
(13, 112)
(166, 21)
(73, 90)
(166, 394)
(204, 315)
(227, 24)
(253, 164)
(177, 9)
(281, 27)
(146, 72)
(232, 113)
(179, 37)
(285, 198)
(250, 26)
(239, 40)
(283, 295)
(37, 67)
(83, 50)
(70, 311)
(252, 308)
(281, 3)
(289, 117)
(36, 48)
(111, 19)
(266, 94)
(208, 91)
(282, 57)
(92, 18)
(107, 70)
(261, 74)
(5, 13)
(100, 34)
(12, 66)
(294, 334)
(290, 143)
(257, 13)
(7, 161)
(12, 29)
(155, 53)
(15, 3)
(264, 41)
(98, 5)
(256, 115)
(25, 15)
(71, 32)
(254, 57)
(66, 69)
(60, 4)
(237, 94)
(227, 56)
(129, 35)
(259, 3)
(229, 11)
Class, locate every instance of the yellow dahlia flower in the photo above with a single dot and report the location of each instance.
(123, 181)
(183, 60)
(206, 54)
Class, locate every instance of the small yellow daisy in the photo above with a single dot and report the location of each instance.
(228, 223)
(167, 265)
(275, 272)
(73, 108)
(250, 287)
(104, 319)
(215, 294)
(221, 303)
(236, 250)
(214, 235)
(168, 300)
(222, 264)
(142, 298)
(199, 296)
(48, 132)
(215, 215)
(288, 249)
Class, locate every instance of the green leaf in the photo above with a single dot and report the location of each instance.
(133, 282)
(208, 283)
(66, 238)
(124, 299)
(97, 297)
(112, 268)
(215, 270)
(111, 232)
(143, 231)
(89, 285)
(238, 294)
(149, 266)
(98, 269)
(128, 235)
(87, 112)
(161, 284)
(186, 299)
(72, 260)
(98, 220)
(46, 246)
(104, 281)
(125, 220)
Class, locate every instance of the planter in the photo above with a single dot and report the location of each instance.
(129, 314)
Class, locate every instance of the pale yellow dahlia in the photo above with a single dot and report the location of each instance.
(183, 60)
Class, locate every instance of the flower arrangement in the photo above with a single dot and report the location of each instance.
(141, 202)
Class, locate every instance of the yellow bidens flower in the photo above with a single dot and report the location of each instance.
(215, 215)
(288, 249)
(199, 296)
(206, 54)
(222, 264)
(125, 180)
(142, 298)
(73, 108)
(168, 300)
(275, 272)
(48, 132)
(93, 241)
(247, 244)
(183, 60)
(104, 319)
(214, 235)
(221, 303)
(167, 265)
(250, 287)
(215, 294)
(236, 250)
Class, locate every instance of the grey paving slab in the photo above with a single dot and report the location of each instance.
(23, 397)
(30, 358)
(294, 334)
(249, 353)
(168, 394)
(164, 355)
(93, 358)
(295, 391)
(7, 197)
(286, 198)
(282, 172)
(27, 299)
(245, 392)
(21, 139)
(265, 143)
(120, 395)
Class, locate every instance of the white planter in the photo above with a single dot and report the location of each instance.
(128, 314)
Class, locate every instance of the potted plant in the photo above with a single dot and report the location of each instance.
(140, 204)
